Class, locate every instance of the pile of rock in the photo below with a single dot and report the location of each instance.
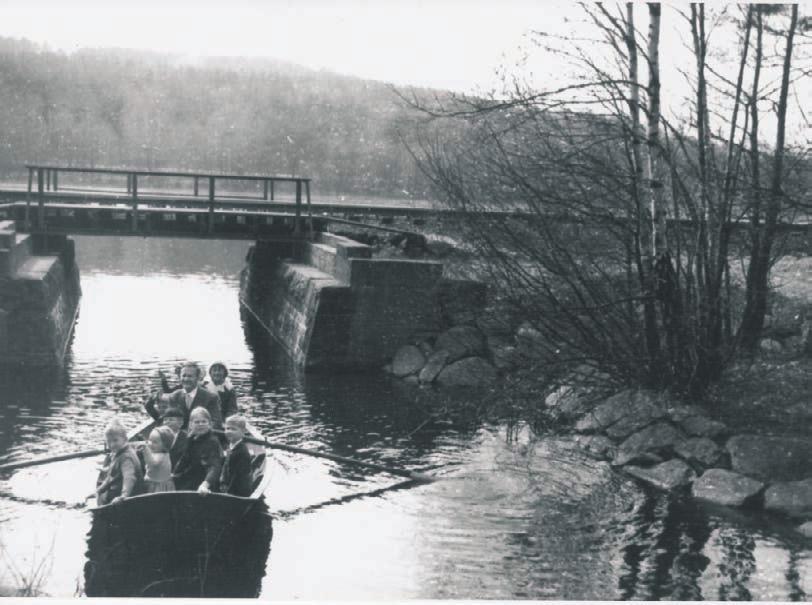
(671, 446)
(473, 347)
(457, 357)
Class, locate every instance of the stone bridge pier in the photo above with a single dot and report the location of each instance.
(331, 305)
(39, 297)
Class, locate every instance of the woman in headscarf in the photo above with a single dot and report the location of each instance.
(218, 382)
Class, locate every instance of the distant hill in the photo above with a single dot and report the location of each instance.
(119, 107)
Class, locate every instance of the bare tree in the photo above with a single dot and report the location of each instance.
(612, 239)
(763, 234)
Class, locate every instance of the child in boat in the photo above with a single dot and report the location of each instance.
(199, 466)
(218, 382)
(236, 477)
(121, 473)
(173, 420)
(158, 477)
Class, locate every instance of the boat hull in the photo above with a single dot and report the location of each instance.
(179, 544)
(182, 543)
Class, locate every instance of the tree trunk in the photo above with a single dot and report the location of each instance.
(708, 363)
(659, 244)
(664, 275)
(645, 219)
(758, 272)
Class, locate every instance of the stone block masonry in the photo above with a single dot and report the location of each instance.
(39, 297)
(331, 305)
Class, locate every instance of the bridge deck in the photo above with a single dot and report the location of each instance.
(167, 221)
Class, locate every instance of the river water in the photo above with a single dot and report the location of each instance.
(510, 518)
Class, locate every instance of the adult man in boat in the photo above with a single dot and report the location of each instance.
(193, 395)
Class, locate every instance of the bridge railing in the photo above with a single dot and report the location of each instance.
(47, 180)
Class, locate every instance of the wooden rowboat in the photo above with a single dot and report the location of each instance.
(181, 543)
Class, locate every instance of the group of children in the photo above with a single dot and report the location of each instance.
(174, 459)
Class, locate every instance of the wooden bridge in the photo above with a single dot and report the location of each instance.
(120, 206)
(81, 200)
(107, 201)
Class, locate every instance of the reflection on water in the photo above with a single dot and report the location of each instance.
(508, 519)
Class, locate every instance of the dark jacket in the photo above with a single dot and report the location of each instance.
(203, 398)
(228, 402)
(151, 407)
(178, 447)
(236, 477)
(201, 461)
(121, 474)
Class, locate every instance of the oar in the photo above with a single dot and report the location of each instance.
(414, 476)
(13, 466)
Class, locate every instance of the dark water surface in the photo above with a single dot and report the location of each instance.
(510, 519)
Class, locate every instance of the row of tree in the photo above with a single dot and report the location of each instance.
(113, 108)
(641, 219)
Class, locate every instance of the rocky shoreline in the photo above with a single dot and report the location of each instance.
(651, 437)
(671, 446)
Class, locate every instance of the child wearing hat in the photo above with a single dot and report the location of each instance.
(218, 382)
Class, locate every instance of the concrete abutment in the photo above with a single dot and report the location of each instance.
(330, 304)
(39, 297)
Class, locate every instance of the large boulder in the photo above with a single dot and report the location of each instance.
(409, 359)
(680, 412)
(568, 401)
(597, 446)
(505, 357)
(460, 342)
(770, 346)
(658, 438)
(793, 498)
(665, 476)
(770, 458)
(426, 348)
(805, 529)
(699, 450)
(434, 365)
(471, 371)
(725, 487)
(530, 341)
(702, 426)
(622, 414)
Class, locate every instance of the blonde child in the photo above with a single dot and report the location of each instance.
(121, 473)
(158, 462)
(236, 476)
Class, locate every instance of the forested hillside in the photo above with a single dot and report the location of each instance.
(110, 107)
